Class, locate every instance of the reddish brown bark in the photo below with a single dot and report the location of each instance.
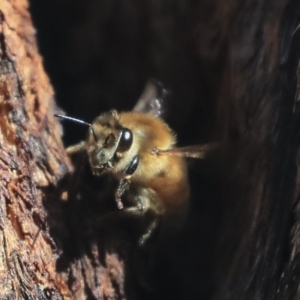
(31, 158)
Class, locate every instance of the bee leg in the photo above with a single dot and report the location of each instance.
(125, 182)
(123, 186)
(76, 148)
(150, 230)
(156, 151)
(145, 205)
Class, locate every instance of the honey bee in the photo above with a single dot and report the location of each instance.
(139, 149)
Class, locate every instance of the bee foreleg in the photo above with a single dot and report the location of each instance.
(76, 148)
(123, 186)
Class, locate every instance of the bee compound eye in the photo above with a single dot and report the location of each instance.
(132, 166)
(125, 140)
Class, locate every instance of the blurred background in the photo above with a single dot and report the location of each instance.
(99, 55)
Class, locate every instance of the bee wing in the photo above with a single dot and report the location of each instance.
(152, 99)
(195, 151)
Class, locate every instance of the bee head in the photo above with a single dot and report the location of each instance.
(107, 142)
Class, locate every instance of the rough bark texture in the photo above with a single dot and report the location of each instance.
(233, 68)
(31, 159)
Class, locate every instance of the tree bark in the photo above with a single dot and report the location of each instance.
(32, 158)
(245, 57)
(258, 113)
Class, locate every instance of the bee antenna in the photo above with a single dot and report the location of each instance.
(78, 121)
